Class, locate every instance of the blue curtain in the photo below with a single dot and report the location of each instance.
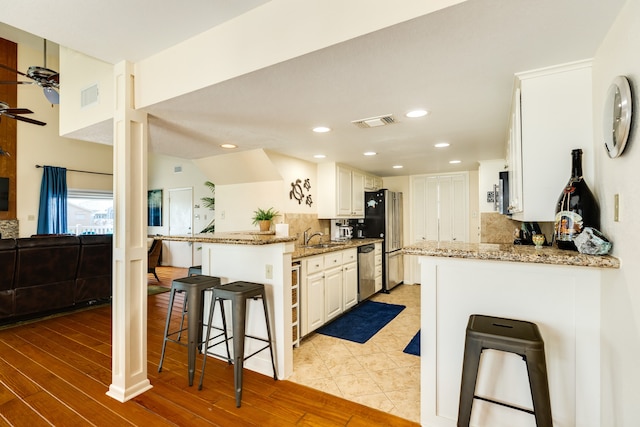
(52, 215)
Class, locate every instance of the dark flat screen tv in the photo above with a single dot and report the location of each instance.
(4, 194)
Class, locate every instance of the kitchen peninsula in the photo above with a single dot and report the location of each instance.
(266, 258)
(558, 290)
(261, 258)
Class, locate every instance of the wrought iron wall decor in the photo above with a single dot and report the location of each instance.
(298, 191)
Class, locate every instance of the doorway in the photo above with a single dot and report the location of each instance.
(180, 254)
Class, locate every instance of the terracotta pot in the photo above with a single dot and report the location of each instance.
(265, 225)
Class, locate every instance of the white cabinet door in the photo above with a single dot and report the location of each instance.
(357, 194)
(315, 301)
(343, 191)
(556, 117)
(333, 292)
(350, 284)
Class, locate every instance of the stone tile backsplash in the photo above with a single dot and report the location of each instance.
(298, 223)
(9, 228)
(498, 228)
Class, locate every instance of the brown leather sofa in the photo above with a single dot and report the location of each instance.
(43, 275)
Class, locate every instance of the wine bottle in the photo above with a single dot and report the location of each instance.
(576, 208)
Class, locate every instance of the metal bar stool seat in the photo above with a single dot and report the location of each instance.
(513, 336)
(193, 271)
(238, 293)
(193, 288)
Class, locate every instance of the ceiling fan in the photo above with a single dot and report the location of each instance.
(14, 114)
(47, 79)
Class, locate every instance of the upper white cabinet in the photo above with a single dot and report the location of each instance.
(372, 183)
(551, 116)
(340, 191)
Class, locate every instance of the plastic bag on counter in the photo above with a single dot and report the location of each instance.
(592, 242)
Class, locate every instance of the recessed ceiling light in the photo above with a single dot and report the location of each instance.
(319, 156)
(455, 162)
(398, 166)
(370, 153)
(417, 113)
(441, 144)
(321, 129)
(228, 146)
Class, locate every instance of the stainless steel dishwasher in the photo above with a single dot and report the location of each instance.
(366, 271)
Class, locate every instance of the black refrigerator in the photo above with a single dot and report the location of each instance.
(383, 219)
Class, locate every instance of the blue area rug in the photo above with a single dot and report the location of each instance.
(414, 345)
(363, 322)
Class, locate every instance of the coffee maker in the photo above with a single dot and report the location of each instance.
(358, 228)
(341, 230)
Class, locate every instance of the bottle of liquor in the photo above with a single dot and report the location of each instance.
(577, 207)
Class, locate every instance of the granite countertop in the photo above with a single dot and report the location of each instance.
(302, 252)
(234, 238)
(510, 252)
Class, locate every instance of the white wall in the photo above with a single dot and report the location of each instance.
(42, 145)
(162, 176)
(620, 373)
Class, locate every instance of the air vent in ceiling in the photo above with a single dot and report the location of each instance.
(373, 122)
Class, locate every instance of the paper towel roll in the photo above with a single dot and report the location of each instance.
(282, 230)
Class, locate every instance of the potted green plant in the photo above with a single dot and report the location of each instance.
(263, 218)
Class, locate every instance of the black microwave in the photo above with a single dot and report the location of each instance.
(501, 198)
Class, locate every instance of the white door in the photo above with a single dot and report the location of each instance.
(180, 224)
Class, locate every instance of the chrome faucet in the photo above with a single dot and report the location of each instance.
(306, 236)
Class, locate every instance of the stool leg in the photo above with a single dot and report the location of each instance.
(184, 311)
(224, 329)
(239, 320)
(471, 361)
(539, 384)
(266, 319)
(206, 337)
(166, 327)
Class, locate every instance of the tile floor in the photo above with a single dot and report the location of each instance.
(377, 373)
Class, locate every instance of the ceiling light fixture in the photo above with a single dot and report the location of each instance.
(370, 153)
(228, 146)
(455, 162)
(319, 156)
(441, 145)
(398, 166)
(321, 129)
(416, 113)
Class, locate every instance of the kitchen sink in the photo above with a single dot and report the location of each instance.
(322, 245)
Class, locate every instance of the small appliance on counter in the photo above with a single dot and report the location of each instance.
(358, 226)
(341, 230)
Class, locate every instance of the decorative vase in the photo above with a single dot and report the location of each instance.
(265, 225)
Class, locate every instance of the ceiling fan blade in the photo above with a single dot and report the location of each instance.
(52, 95)
(24, 119)
(12, 70)
(17, 111)
(17, 82)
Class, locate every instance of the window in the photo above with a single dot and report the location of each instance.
(89, 212)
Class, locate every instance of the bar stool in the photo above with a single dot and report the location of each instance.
(238, 293)
(193, 271)
(193, 288)
(513, 336)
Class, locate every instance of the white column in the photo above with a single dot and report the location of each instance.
(129, 315)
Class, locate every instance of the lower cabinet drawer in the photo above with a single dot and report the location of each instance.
(315, 264)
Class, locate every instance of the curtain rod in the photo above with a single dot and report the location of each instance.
(76, 170)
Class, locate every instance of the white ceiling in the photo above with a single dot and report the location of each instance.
(458, 63)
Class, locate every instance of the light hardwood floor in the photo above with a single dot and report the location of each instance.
(56, 372)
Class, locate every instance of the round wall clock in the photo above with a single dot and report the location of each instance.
(617, 116)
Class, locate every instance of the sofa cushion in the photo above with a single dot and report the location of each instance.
(7, 263)
(95, 266)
